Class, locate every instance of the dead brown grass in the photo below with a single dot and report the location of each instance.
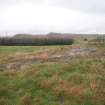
(67, 89)
(26, 100)
(59, 86)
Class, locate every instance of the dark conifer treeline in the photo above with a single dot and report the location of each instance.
(17, 41)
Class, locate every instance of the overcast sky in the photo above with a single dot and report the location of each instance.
(43, 16)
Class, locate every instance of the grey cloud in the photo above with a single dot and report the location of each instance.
(90, 18)
(87, 6)
(13, 2)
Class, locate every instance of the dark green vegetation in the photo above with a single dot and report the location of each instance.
(79, 80)
(32, 41)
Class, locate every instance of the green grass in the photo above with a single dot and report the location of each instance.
(45, 84)
(80, 81)
(14, 49)
(7, 52)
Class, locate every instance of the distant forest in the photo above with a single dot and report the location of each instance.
(31, 40)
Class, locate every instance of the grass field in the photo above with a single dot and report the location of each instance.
(78, 80)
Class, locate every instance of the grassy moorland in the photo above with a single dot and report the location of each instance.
(52, 75)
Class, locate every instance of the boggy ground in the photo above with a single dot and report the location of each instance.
(52, 75)
(57, 54)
